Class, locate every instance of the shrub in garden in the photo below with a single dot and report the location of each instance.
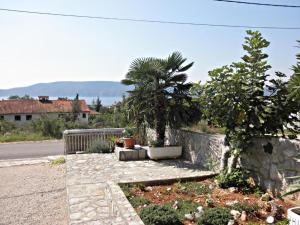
(138, 201)
(99, 147)
(248, 208)
(185, 207)
(215, 216)
(162, 215)
(192, 188)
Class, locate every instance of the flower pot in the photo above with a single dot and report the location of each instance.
(293, 215)
(129, 143)
(168, 152)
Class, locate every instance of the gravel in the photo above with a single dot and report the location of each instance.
(33, 194)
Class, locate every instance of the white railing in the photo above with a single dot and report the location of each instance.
(82, 139)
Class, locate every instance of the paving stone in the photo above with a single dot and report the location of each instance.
(93, 191)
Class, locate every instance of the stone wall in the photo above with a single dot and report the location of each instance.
(270, 167)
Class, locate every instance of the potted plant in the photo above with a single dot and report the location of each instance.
(160, 98)
(128, 139)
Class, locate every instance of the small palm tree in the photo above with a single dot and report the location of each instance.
(161, 94)
(294, 82)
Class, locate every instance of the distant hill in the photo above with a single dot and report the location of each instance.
(70, 88)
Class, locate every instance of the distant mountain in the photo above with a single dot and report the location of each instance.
(70, 88)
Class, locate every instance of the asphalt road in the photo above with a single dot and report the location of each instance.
(30, 149)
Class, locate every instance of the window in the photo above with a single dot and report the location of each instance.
(83, 115)
(1, 117)
(28, 117)
(17, 118)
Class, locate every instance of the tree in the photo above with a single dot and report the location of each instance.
(235, 98)
(161, 94)
(75, 108)
(17, 97)
(294, 83)
(98, 105)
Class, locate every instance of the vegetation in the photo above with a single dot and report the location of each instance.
(161, 94)
(213, 216)
(100, 147)
(162, 215)
(294, 82)
(138, 201)
(235, 98)
(58, 161)
(17, 97)
(192, 187)
(185, 207)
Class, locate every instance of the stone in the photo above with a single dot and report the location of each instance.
(200, 209)
(169, 189)
(270, 220)
(148, 189)
(231, 222)
(266, 197)
(175, 205)
(231, 203)
(212, 186)
(189, 217)
(236, 214)
(244, 216)
(198, 215)
(233, 189)
(276, 210)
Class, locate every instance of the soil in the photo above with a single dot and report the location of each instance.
(168, 194)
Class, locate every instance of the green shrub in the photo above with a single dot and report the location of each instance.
(185, 207)
(192, 187)
(138, 201)
(58, 161)
(215, 216)
(238, 178)
(126, 188)
(159, 215)
(248, 208)
(99, 146)
(49, 127)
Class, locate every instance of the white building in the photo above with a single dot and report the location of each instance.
(23, 111)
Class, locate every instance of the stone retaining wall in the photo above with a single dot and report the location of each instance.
(269, 168)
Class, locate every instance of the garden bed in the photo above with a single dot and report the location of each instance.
(185, 197)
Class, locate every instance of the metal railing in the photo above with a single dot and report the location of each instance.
(82, 139)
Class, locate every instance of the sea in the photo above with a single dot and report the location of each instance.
(106, 101)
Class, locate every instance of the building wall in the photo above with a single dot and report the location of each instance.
(23, 121)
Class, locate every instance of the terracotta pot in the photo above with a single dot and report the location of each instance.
(129, 143)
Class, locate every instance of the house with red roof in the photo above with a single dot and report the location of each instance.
(22, 111)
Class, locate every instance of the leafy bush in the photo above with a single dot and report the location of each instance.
(238, 178)
(48, 127)
(128, 132)
(185, 207)
(6, 126)
(99, 147)
(248, 208)
(192, 187)
(156, 143)
(162, 215)
(138, 201)
(215, 216)
(126, 188)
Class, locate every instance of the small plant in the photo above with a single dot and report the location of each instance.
(248, 208)
(141, 186)
(190, 188)
(210, 202)
(128, 132)
(185, 207)
(237, 178)
(99, 147)
(138, 201)
(126, 188)
(159, 215)
(156, 143)
(215, 216)
(58, 161)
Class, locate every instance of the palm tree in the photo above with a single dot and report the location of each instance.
(294, 82)
(161, 94)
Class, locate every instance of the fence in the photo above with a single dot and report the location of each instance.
(82, 139)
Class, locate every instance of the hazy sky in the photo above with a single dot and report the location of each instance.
(37, 48)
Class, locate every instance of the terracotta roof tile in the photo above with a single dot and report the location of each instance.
(36, 106)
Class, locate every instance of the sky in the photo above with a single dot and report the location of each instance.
(39, 49)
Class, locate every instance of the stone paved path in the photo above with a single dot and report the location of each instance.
(93, 191)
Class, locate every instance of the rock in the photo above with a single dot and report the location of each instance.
(270, 220)
(246, 198)
(169, 189)
(233, 190)
(200, 209)
(231, 222)
(276, 210)
(266, 197)
(189, 217)
(231, 203)
(198, 215)
(175, 205)
(236, 214)
(148, 188)
(212, 186)
(244, 216)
